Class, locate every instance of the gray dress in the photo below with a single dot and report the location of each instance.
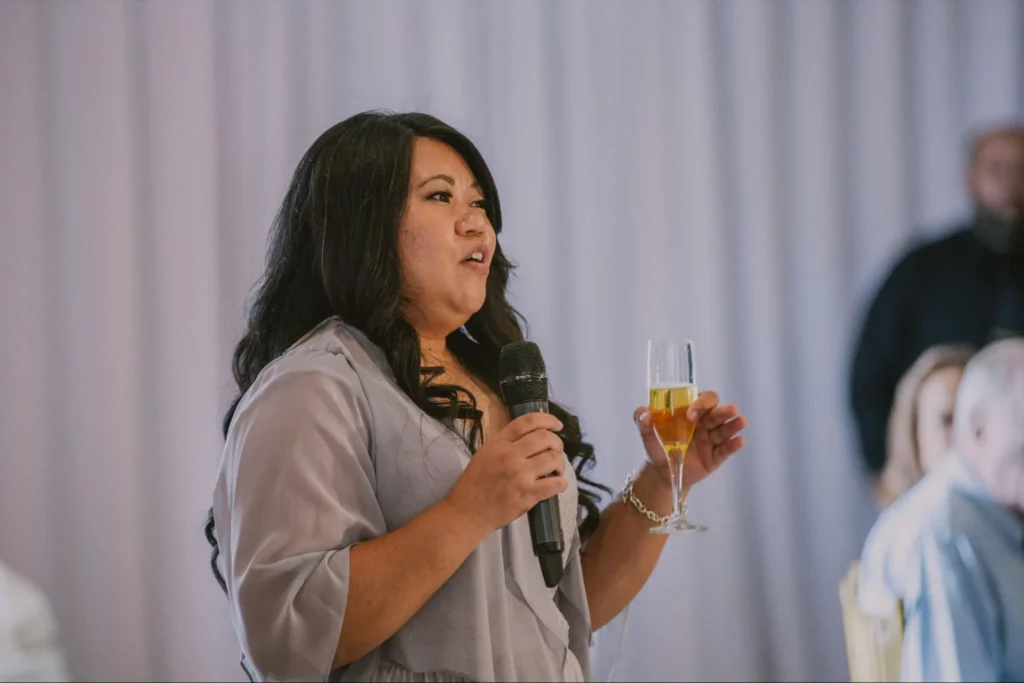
(326, 451)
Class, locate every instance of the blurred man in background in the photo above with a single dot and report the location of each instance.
(952, 548)
(965, 288)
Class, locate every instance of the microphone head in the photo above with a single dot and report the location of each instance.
(522, 373)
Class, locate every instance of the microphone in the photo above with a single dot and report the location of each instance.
(524, 387)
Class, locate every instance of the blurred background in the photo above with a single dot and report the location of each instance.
(738, 172)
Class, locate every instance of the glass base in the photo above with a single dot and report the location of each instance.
(674, 524)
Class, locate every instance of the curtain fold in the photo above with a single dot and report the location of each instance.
(739, 173)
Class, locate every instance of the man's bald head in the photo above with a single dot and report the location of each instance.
(995, 176)
(989, 419)
(1009, 131)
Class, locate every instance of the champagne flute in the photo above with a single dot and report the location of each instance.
(672, 385)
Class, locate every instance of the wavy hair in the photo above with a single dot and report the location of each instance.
(903, 457)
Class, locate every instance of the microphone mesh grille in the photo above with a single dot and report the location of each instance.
(523, 374)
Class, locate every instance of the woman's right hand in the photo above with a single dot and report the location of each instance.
(509, 474)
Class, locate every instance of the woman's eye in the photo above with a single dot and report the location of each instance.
(446, 197)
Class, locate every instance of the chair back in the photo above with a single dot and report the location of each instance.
(874, 645)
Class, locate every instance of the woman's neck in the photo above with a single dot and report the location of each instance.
(434, 351)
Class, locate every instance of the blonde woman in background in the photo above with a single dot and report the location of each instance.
(921, 420)
(918, 438)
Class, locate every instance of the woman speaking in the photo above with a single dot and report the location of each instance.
(368, 519)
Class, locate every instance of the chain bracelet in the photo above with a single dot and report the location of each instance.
(629, 495)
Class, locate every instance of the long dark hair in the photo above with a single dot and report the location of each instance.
(333, 251)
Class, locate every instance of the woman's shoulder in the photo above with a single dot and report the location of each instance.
(333, 358)
(332, 347)
(336, 345)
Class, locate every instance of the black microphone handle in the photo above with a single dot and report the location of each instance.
(545, 518)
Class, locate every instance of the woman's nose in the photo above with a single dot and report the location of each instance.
(471, 223)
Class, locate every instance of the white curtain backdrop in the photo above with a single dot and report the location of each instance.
(740, 173)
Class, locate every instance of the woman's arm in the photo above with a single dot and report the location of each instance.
(393, 576)
(622, 553)
(314, 578)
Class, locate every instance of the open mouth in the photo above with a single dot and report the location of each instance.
(475, 257)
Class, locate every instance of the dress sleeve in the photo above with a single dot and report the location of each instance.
(296, 491)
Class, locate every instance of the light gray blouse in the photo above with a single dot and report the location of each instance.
(325, 451)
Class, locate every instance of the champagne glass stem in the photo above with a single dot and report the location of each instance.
(676, 459)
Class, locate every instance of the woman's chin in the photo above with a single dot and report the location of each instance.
(470, 308)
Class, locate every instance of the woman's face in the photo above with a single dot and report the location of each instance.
(445, 241)
(935, 402)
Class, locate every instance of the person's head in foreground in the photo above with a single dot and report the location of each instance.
(989, 421)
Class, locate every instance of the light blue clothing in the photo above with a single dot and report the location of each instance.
(956, 559)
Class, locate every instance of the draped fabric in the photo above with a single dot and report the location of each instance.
(739, 173)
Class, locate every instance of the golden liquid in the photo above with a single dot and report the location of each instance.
(668, 408)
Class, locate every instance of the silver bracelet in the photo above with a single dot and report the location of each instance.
(629, 495)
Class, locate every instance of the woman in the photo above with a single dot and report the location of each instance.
(359, 538)
(921, 418)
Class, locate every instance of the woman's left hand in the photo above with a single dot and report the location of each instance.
(714, 438)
